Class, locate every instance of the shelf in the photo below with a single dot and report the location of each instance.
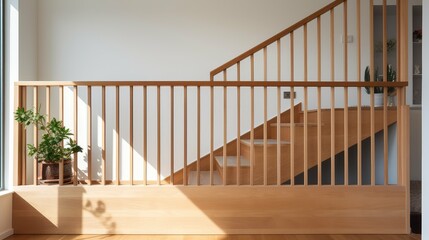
(419, 43)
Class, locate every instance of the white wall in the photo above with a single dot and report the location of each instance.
(425, 119)
(5, 215)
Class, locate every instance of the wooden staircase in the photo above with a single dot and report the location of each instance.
(285, 137)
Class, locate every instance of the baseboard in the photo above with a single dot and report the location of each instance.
(6, 234)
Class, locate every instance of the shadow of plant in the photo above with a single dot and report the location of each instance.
(99, 211)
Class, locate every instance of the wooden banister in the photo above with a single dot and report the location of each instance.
(276, 37)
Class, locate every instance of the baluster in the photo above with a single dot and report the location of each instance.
(211, 131)
(319, 103)
(385, 92)
(252, 119)
(225, 128)
(172, 136)
(238, 126)
(265, 122)
(89, 133)
(198, 134)
(23, 156)
(131, 135)
(158, 133)
(118, 180)
(359, 94)
(76, 117)
(346, 100)
(372, 121)
(278, 113)
(36, 134)
(145, 182)
(185, 136)
(103, 135)
(305, 107)
(61, 116)
(332, 97)
(292, 113)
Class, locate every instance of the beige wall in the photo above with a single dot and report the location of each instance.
(5, 215)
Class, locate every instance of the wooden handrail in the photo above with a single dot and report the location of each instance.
(242, 83)
(276, 37)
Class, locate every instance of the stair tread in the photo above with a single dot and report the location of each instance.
(204, 178)
(300, 124)
(260, 142)
(231, 161)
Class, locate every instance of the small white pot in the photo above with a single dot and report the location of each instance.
(378, 99)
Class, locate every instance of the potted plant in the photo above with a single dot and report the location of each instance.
(378, 91)
(52, 148)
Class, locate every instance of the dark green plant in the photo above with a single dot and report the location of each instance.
(391, 77)
(50, 148)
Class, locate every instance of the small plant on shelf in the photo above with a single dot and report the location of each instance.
(56, 145)
(391, 77)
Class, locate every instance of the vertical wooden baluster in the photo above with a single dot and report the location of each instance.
(346, 99)
(158, 134)
(252, 119)
(48, 117)
(265, 122)
(36, 134)
(145, 136)
(61, 116)
(279, 172)
(385, 92)
(211, 130)
(18, 141)
(305, 108)
(372, 121)
(172, 136)
(319, 103)
(198, 134)
(76, 131)
(103, 135)
(292, 113)
(225, 128)
(118, 180)
(359, 95)
(89, 133)
(332, 97)
(23, 156)
(238, 126)
(185, 136)
(131, 135)
(398, 92)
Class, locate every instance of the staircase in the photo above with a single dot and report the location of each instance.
(286, 143)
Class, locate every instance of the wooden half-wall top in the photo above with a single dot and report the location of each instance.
(209, 210)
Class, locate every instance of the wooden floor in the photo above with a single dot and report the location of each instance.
(216, 237)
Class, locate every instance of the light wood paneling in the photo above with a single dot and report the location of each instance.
(216, 237)
(208, 210)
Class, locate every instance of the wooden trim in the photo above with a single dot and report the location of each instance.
(276, 37)
(118, 133)
(242, 83)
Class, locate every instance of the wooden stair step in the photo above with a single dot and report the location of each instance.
(231, 161)
(204, 178)
(260, 142)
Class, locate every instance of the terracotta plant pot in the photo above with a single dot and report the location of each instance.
(49, 173)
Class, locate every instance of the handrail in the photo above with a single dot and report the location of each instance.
(212, 84)
(276, 37)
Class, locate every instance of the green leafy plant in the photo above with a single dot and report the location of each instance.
(50, 148)
(391, 77)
